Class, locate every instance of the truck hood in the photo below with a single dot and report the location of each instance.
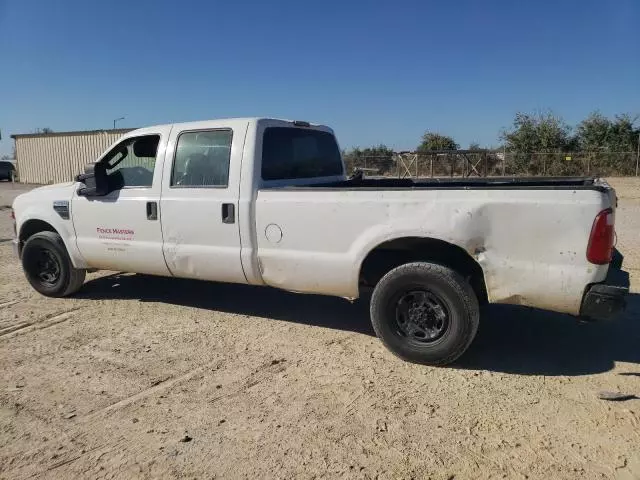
(58, 191)
(56, 186)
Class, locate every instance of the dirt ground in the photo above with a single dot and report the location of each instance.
(142, 377)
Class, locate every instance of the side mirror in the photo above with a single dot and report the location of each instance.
(94, 179)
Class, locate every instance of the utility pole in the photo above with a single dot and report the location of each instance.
(116, 120)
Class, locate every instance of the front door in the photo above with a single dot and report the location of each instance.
(121, 231)
(199, 202)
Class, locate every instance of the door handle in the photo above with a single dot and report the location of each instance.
(152, 210)
(228, 213)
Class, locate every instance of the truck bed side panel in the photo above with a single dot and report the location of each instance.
(530, 244)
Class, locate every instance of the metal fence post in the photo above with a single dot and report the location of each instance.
(638, 155)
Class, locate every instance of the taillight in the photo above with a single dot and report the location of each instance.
(600, 249)
(13, 214)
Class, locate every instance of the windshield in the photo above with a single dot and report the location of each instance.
(290, 153)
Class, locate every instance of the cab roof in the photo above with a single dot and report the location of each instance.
(195, 124)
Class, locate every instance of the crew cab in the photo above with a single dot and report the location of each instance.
(268, 202)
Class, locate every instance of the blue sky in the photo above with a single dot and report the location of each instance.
(376, 71)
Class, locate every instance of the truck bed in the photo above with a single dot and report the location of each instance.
(529, 235)
(500, 183)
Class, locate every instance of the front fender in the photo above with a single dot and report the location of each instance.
(62, 226)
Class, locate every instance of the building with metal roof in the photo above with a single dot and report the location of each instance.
(56, 157)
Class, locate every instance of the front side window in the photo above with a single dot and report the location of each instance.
(132, 162)
(290, 153)
(202, 159)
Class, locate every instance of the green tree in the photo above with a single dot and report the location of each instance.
(530, 140)
(624, 136)
(598, 133)
(540, 132)
(606, 139)
(44, 130)
(475, 146)
(434, 141)
(593, 133)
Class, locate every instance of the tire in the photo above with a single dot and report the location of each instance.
(47, 266)
(425, 313)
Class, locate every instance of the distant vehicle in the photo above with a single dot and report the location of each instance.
(267, 202)
(7, 170)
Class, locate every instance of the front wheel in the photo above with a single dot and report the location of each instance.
(425, 313)
(48, 267)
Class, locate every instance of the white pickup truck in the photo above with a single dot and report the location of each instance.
(268, 202)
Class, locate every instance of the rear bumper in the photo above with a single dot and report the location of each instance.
(603, 301)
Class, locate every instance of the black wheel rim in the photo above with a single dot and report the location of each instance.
(421, 316)
(47, 267)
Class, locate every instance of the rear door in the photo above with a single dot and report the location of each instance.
(199, 201)
(121, 231)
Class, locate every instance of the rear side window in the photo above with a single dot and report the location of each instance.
(290, 153)
(202, 159)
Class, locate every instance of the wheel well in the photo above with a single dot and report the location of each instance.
(389, 255)
(31, 227)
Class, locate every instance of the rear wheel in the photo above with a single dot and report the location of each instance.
(48, 267)
(425, 313)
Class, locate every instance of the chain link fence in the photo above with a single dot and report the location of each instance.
(483, 163)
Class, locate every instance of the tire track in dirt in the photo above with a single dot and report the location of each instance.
(155, 387)
(261, 374)
(9, 303)
(27, 327)
(13, 328)
(62, 463)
